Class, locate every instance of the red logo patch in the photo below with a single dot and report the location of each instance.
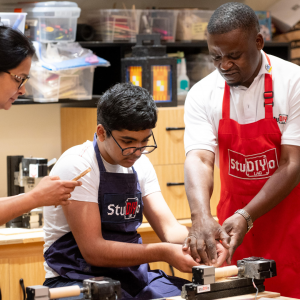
(282, 119)
(251, 167)
(131, 208)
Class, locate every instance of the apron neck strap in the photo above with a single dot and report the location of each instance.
(268, 95)
(226, 102)
(98, 156)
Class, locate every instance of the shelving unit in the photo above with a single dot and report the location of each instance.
(115, 51)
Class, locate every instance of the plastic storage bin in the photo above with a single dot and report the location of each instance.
(43, 85)
(115, 24)
(48, 86)
(51, 21)
(76, 83)
(14, 20)
(192, 24)
(159, 21)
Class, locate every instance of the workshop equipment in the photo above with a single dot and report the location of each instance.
(23, 174)
(151, 68)
(251, 273)
(98, 288)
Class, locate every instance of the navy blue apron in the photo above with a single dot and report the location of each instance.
(121, 209)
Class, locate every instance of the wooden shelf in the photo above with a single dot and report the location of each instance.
(66, 102)
(171, 44)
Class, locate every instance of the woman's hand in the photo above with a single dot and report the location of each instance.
(53, 191)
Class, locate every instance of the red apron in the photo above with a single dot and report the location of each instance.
(249, 155)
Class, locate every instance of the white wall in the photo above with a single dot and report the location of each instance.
(29, 130)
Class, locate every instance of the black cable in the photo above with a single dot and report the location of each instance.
(23, 288)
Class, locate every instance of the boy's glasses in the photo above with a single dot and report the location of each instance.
(19, 79)
(131, 150)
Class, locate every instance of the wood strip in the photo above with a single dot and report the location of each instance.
(243, 297)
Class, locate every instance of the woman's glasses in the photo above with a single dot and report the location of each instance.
(19, 79)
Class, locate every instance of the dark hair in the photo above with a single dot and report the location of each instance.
(231, 16)
(125, 106)
(14, 48)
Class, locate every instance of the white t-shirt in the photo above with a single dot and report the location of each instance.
(203, 106)
(73, 162)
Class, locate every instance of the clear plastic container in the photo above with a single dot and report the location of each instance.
(48, 86)
(43, 85)
(115, 24)
(159, 21)
(51, 21)
(76, 83)
(14, 20)
(192, 24)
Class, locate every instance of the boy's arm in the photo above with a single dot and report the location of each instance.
(85, 223)
(162, 220)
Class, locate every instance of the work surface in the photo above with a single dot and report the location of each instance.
(261, 296)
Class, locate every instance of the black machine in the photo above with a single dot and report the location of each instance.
(24, 173)
(98, 288)
(251, 273)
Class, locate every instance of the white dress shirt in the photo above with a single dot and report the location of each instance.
(203, 105)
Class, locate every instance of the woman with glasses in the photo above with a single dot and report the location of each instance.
(16, 52)
(96, 235)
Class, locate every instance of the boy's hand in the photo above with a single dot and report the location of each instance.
(222, 254)
(53, 191)
(179, 258)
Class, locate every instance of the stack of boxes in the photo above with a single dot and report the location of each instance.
(48, 23)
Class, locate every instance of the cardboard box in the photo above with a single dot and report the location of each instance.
(285, 14)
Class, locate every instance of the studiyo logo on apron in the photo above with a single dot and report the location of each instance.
(255, 166)
(129, 210)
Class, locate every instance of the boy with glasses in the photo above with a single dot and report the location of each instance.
(96, 235)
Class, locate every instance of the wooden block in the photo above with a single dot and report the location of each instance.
(252, 296)
(242, 297)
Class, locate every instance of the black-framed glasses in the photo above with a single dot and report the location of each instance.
(131, 150)
(19, 79)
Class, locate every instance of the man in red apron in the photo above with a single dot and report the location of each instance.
(257, 148)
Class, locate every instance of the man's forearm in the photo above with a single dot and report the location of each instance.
(15, 206)
(199, 176)
(276, 189)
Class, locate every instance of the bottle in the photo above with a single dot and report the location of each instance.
(183, 82)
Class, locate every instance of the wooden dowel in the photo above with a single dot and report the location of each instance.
(63, 292)
(82, 174)
(226, 271)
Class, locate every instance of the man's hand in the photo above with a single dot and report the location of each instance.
(236, 227)
(202, 240)
(53, 191)
(179, 258)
